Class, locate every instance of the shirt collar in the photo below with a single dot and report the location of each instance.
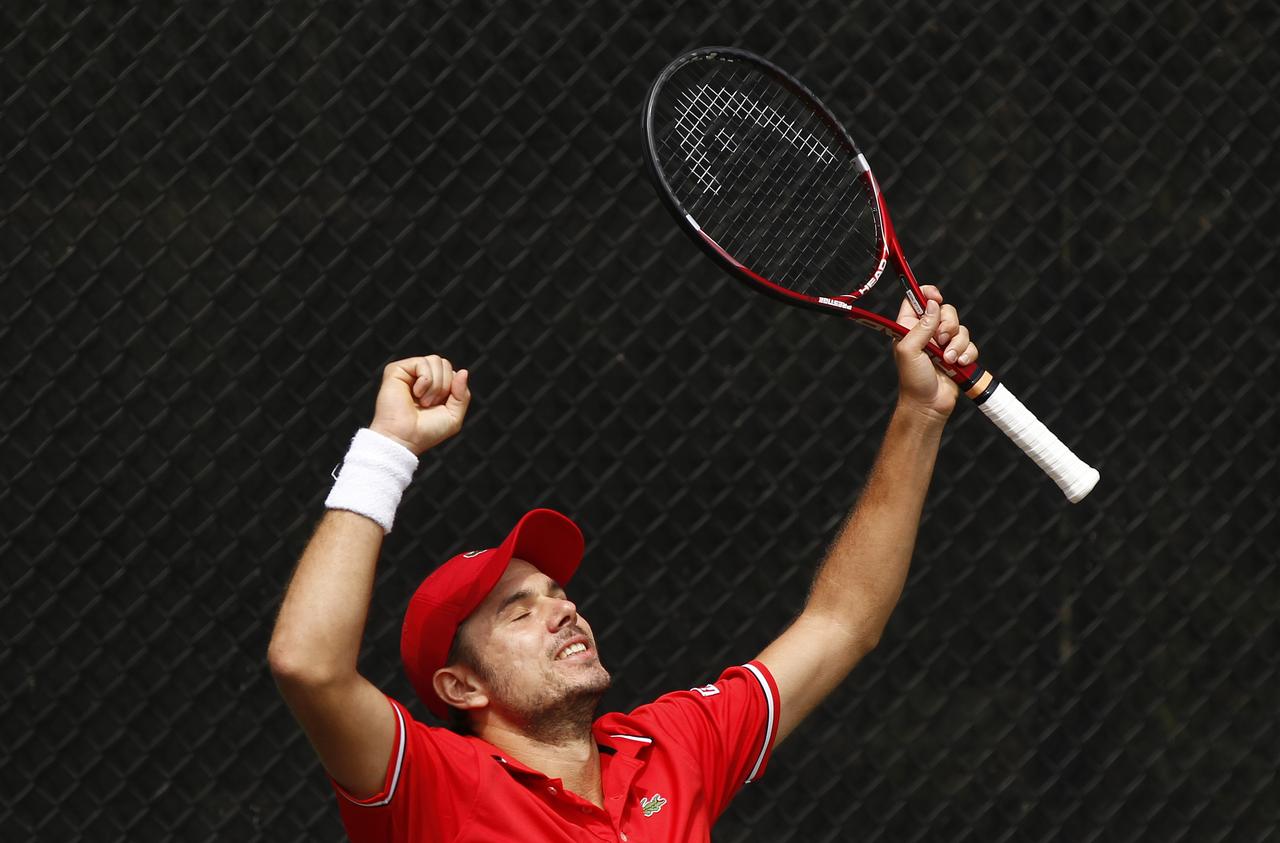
(630, 744)
(624, 743)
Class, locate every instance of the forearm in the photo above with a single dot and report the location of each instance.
(321, 622)
(862, 577)
(860, 581)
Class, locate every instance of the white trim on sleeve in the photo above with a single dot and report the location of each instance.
(768, 731)
(402, 738)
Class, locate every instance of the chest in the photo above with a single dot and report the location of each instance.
(645, 801)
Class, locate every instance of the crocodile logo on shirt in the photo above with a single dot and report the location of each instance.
(652, 804)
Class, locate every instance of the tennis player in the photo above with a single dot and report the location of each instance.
(492, 640)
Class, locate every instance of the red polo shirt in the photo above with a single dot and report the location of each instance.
(669, 769)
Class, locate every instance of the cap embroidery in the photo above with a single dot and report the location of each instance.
(652, 804)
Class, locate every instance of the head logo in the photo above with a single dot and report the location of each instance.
(875, 276)
(652, 804)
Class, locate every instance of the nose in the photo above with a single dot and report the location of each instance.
(563, 613)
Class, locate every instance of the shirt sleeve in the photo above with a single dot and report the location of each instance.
(728, 728)
(427, 791)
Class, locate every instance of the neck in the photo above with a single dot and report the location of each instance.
(573, 757)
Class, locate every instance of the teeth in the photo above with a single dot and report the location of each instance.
(572, 649)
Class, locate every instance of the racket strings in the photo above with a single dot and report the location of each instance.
(750, 203)
(817, 179)
(767, 178)
(756, 222)
(756, 207)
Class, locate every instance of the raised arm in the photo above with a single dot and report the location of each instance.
(317, 635)
(859, 582)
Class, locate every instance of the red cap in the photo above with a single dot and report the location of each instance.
(543, 537)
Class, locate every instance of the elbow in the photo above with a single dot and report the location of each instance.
(867, 633)
(295, 667)
(868, 640)
(287, 665)
(855, 638)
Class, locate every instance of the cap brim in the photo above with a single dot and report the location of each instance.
(547, 540)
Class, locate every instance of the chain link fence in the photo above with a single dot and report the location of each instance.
(220, 220)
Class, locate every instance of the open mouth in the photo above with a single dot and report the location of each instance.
(571, 649)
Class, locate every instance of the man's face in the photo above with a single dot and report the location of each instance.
(535, 654)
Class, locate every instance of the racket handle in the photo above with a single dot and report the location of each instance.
(1075, 477)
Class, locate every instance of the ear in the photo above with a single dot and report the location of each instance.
(459, 687)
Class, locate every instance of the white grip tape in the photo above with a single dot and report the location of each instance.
(1072, 474)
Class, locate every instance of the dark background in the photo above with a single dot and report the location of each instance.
(220, 220)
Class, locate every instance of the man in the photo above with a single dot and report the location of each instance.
(492, 639)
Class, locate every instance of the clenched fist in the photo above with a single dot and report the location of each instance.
(422, 402)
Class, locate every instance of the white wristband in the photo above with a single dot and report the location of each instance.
(374, 475)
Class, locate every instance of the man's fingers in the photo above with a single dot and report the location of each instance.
(431, 380)
(436, 373)
(405, 371)
(916, 339)
(907, 314)
(460, 393)
(423, 380)
(931, 293)
(446, 380)
(950, 324)
(958, 345)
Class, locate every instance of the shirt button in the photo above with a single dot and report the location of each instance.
(623, 835)
(551, 790)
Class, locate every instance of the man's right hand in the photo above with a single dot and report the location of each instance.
(421, 402)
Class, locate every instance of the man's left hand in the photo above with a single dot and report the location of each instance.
(921, 385)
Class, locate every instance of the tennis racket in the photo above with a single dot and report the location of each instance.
(772, 187)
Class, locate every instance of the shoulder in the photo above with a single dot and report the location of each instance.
(748, 682)
(741, 692)
(421, 754)
(430, 789)
(441, 743)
